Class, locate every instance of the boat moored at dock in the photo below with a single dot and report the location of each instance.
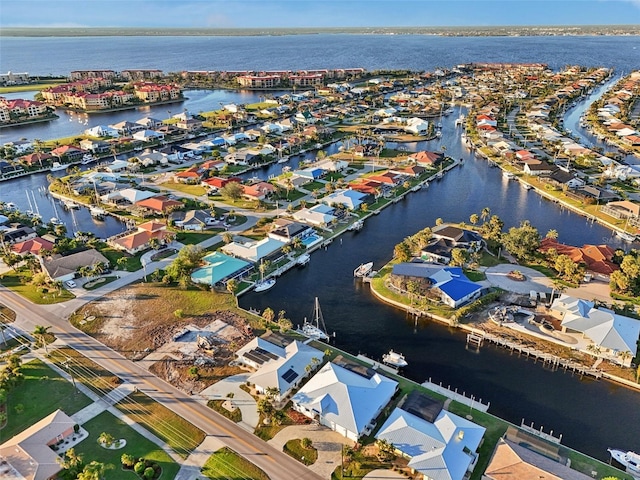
(394, 359)
(630, 460)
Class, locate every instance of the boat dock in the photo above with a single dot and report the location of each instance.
(470, 401)
(477, 339)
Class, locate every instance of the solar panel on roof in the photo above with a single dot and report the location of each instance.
(264, 352)
(254, 357)
(289, 376)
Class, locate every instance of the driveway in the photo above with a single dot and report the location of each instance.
(326, 441)
(241, 399)
(382, 475)
(534, 280)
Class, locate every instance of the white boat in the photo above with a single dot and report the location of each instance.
(356, 226)
(303, 259)
(394, 359)
(283, 160)
(56, 221)
(264, 285)
(507, 175)
(10, 206)
(363, 270)
(630, 460)
(315, 329)
(57, 166)
(86, 159)
(97, 213)
(627, 237)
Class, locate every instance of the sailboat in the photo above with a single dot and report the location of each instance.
(264, 285)
(315, 329)
(624, 235)
(55, 220)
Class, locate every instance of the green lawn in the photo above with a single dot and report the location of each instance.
(192, 238)
(84, 370)
(30, 87)
(52, 391)
(294, 448)
(196, 190)
(99, 282)
(227, 464)
(235, 416)
(137, 445)
(179, 434)
(19, 283)
(133, 262)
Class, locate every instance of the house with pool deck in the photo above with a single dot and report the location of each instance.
(220, 268)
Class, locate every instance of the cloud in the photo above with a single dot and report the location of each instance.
(219, 20)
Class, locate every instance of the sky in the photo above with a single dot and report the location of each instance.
(314, 13)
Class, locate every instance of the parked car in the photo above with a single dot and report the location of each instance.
(70, 284)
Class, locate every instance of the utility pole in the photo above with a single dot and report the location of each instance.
(65, 364)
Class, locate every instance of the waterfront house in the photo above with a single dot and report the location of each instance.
(425, 158)
(102, 131)
(63, 268)
(519, 457)
(535, 167)
(19, 147)
(350, 199)
(159, 205)
(286, 230)
(417, 126)
(126, 127)
(319, 215)
(219, 268)
(18, 233)
(95, 146)
(278, 363)
(437, 443)
(68, 152)
(29, 454)
(346, 398)
(126, 196)
(253, 250)
(140, 240)
(39, 158)
(149, 123)
(32, 246)
(562, 178)
(148, 136)
(193, 220)
(622, 209)
(596, 258)
(613, 336)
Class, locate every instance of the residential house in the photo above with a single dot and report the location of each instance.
(159, 205)
(71, 153)
(28, 455)
(596, 258)
(437, 443)
(345, 398)
(63, 268)
(191, 175)
(194, 220)
(220, 182)
(220, 268)
(126, 127)
(278, 363)
(350, 199)
(102, 131)
(425, 158)
(32, 246)
(536, 167)
(149, 123)
(258, 191)
(140, 240)
(614, 336)
(417, 126)
(621, 209)
(319, 215)
(148, 135)
(286, 230)
(39, 158)
(253, 250)
(18, 233)
(563, 178)
(126, 196)
(95, 146)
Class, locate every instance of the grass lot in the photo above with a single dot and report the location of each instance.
(191, 238)
(52, 391)
(235, 416)
(475, 276)
(7, 314)
(196, 190)
(137, 445)
(240, 203)
(179, 434)
(292, 195)
(227, 464)
(99, 282)
(133, 262)
(84, 370)
(30, 87)
(311, 186)
(294, 448)
(19, 283)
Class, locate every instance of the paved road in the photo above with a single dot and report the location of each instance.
(275, 463)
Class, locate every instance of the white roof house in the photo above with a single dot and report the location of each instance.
(417, 126)
(317, 215)
(345, 401)
(281, 367)
(131, 195)
(253, 250)
(440, 450)
(148, 135)
(349, 198)
(602, 326)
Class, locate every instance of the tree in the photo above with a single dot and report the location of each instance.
(106, 439)
(439, 221)
(40, 332)
(459, 257)
(306, 443)
(92, 471)
(194, 373)
(265, 408)
(227, 238)
(285, 324)
(485, 214)
(232, 286)
(402, 252)
(552, 234)
(71, 462)
(522, 241)
(269, 315)
(127, 460)
(232, 191)
(122, 263)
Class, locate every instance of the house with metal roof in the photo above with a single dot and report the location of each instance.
(343, 400)
(64, 268)
(253, 250)
(438, 444)
(349, 198)
(319, 215)
(278, 364)
(612, 334)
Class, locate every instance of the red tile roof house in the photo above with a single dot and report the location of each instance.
(597, 258)
(412, 171)
(160, 204)
(190, 175)
(138, 241)
(36, 158)
(33, 246)
(387, 178)
(258, 191)
(426, 158)
(524, 155)
(69, 152)
(371, 188)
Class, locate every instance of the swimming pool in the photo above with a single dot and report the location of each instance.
(311, 240)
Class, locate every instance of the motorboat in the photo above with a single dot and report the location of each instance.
(97, 213)
(264, 285)
(86, 159)
(394, 359)
(56, 221)
(630, 460)
(356, 226)
(315, 329)
(303, 259)
(507, 175)
(57, 166)
(363, 269)
(627, 237)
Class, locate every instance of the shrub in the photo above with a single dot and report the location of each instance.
(139, 467)
(149, 472)
(128, 461)
(76, 428)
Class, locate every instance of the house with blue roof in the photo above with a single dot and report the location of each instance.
(438, 444)
(311, 173)
(350, 199)
(220, 268)
(344, 400)
(453, 285)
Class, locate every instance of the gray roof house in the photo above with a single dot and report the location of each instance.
(65, 268)
(196, 220)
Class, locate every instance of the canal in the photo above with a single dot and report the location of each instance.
(592, 415)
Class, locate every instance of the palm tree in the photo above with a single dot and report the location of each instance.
(552, 234)
(40, 331)
(485, 214)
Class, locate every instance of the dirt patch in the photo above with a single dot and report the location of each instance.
(176, 372)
